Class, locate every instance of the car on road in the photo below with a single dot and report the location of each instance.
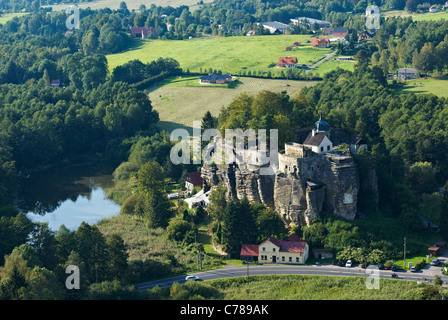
(194, 278)
(435, 262)
(349, 264)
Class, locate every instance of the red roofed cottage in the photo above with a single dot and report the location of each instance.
(272, 250)
(287, 62)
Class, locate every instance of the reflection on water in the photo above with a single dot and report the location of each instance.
(67, 196)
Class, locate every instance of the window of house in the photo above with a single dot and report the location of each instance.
(290, 259)
(273, 249)
(283, 258)
(297, 259)
(328, 148)
(264, 249)
(321, 148)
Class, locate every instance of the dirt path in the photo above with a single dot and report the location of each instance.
(327, 56)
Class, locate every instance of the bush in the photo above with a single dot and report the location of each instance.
(129, 204)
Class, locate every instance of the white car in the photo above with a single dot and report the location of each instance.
(348, 264)
(192, 278)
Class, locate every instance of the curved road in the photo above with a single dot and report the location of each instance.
(269, 269)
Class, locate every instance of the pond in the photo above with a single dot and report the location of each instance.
(67, 196)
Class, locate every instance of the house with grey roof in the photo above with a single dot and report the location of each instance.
(407, 73)
(274, 26)
(309, 22)
(318, 139)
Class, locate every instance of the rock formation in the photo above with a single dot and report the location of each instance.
(303, 186)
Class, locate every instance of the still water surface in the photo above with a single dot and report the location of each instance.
(67, 196)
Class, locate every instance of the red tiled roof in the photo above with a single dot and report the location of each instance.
(287, 60)
(293, 237)
(288, 245)
(195, 178)
(249, 250)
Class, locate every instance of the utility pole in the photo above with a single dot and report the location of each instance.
(197, 250)
(404, 253)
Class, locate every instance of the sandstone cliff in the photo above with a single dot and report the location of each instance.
(299, 190)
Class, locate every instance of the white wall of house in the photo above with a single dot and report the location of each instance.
(325, 146)
(268, 250)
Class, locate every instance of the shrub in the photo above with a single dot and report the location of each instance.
(129, 204)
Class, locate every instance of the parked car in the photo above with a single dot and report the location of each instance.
(348, 264)
(380, 266)
(388, 267)
(413, 269)
(363, 265)
(194, 278)
(340, 264)
(394, 268)
(435, 262)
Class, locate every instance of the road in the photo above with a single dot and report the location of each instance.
(327, 56)
(320, 270)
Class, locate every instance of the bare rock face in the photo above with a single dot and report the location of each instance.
(300, 189)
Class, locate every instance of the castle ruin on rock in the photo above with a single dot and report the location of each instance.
(311, 177)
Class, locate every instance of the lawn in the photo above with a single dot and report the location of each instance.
(298, 287)
(332, 64)
(228, 54)
(430, 85)
(8, 16)
(182, 101)
(417, 16)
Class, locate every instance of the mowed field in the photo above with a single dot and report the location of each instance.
(180, 101)
(8, 16)
(131, 4)
(417, 16)
(228, 54)
(435, 86)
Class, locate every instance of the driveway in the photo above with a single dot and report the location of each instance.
(327, 56)
(436, 270)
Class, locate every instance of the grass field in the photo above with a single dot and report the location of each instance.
(417, 16)
(8, 16)
(228, 54)
(131, 4)
(294, 287)
(332, 64)
(181, 101)
(435, 86)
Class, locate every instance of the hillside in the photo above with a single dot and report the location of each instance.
(182, 101)
(228, 54)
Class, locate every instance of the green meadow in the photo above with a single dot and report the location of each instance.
(8, 16)
(180, 101)
(295, 287)
(435, 86)
(417, 16)
(228, 54)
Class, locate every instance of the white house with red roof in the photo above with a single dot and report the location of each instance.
(291, 250)
(287, 62)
